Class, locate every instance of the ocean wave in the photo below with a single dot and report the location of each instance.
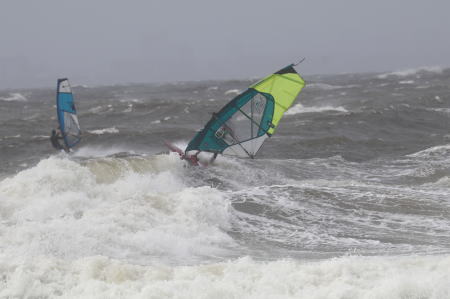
(128, 109)
(406, 82)
(323, 86)
(350, 277)
(295, 208)
(299, 108)
(13, 136)
(112, 130)
(63, 209)
(101, 109)
(138, 101)
(232, 91)
(435, 151)
(96, 109)
(99, 151)
(40, 137)
(441, 182)
(14, 97)
(441, 110)
(410, 72)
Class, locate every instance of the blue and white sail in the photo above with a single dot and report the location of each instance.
(67, 114)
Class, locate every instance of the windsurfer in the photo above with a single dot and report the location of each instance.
(243, 124)
(55, 138)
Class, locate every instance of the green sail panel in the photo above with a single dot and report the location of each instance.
(241, 127)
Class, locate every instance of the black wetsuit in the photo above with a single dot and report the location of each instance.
(54, 139)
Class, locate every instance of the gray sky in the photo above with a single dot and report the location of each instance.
(111, 41)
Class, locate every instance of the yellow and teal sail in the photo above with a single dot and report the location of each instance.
(241, 127)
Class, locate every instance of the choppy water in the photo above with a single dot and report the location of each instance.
(349, 199)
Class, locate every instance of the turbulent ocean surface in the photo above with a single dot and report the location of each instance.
(348, 199)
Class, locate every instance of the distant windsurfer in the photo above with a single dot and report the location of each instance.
(55, 138)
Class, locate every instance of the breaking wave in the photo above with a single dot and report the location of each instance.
(112, 130)
(410, 72)
(299, 108)
(14, 97)
(136, 209)
(347, 277)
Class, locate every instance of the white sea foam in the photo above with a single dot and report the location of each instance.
(136, 210)
(347, 277)
(232, 91)
(299, 108)
(96, 109)
(441, 182)
(128, 109)
(40, 136)
(409, 72)
(406, 82)
(323, 86)
(439, 151)
(91, 151)
(131, 100)
(14, 136)
(112, 130)
(442, 110)
(14, 96)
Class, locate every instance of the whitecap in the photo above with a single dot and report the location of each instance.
(323, 86)
(414, 71)
(406, 82)
(112, 130)
(14, 136)
(232, 91)
(345, 277)
(14, 97)
(299, 108)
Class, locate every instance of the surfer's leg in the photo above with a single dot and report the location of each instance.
(213, 158)
(194, 158)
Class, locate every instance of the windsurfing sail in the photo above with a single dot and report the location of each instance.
(241, 127)
(67, 114)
